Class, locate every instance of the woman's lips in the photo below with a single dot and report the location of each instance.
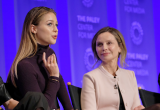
(55, 37)
(105, 54)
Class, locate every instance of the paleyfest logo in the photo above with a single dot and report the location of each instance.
(89, 60)
(87, 3)
(136, 33)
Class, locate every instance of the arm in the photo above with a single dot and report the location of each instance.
(136, 100)
(63, 95)
(88, 95)
(27, 81)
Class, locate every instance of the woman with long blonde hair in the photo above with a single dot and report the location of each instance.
(34, 69)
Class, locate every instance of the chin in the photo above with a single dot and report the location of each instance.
(106, 59)
(52, 42)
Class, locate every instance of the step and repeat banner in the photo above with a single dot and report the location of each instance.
(86, 17)
(2, 55)
(133, 18)
(135, 22)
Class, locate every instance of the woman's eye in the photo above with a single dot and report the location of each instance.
(109, 43)
(99, 44)
(49, 24)
(56, 25)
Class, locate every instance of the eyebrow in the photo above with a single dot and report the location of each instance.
(52, 20)
(98, 42)
(103, 41)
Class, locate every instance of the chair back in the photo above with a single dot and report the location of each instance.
(13, 92)
(149, 98)
(75, 95)
(57, 104)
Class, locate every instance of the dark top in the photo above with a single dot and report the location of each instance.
(33, 76)
(121, 105)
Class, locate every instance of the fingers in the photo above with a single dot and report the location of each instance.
(44, 58)
(54, 59)
(50, 59)
(51, 64)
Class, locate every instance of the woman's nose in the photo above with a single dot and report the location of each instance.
(55, 29)
(105, 47)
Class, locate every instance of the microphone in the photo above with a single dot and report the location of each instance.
(116, 85)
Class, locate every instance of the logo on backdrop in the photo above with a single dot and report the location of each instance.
(136, 33)
(89, 59)
(87, 3)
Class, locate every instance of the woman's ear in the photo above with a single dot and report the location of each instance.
(33, 29)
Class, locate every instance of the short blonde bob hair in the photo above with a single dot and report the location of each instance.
(120, 40)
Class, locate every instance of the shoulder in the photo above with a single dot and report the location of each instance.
(25, 62)
(128, 73)
(25, 66)
(125, 70)
(92, 74)
(50, 51)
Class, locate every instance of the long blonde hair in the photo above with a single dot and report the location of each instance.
(28, 44)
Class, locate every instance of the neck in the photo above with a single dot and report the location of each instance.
(42, 46)
(111, 67)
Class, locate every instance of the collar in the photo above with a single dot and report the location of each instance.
(39, 55)
(107, 73)
(41, 49)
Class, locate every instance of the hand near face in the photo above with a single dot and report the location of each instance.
(51, 64)
(140, 107)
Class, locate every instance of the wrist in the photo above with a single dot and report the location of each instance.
(56, 75)
(54, 78)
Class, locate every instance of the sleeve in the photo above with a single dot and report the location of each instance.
(88, 95)
(136, 101)
(27, 81)
(63, 95)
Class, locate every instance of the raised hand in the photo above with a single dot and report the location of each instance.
(51, 64)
